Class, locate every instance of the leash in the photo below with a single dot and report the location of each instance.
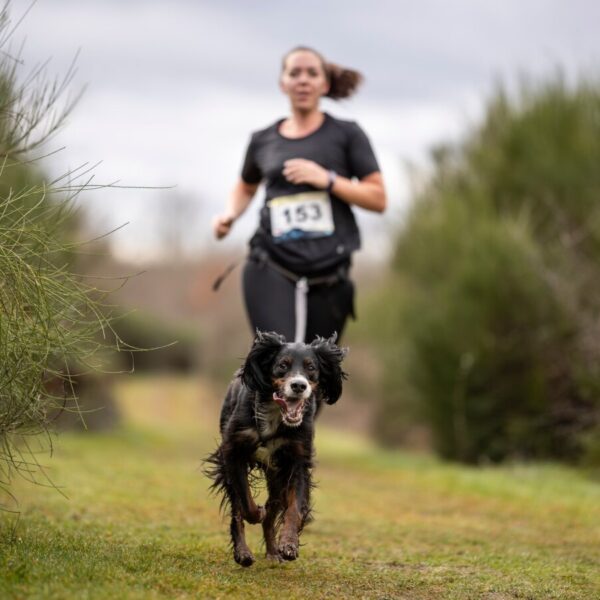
(221, 278)
(301, 308)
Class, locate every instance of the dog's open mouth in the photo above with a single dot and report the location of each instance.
(291, 409)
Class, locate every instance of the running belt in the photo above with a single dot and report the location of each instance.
(303, 284)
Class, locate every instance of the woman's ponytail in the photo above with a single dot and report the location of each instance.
(342, 82)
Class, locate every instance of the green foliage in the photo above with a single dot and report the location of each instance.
(49, 318)
(494, 293)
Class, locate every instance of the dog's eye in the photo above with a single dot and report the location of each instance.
(310, 367)
(283, 365)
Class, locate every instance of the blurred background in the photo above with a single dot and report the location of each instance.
(478, 289)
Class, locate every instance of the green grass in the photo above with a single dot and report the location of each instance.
(138, 522)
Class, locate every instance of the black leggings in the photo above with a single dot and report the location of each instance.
(269, 297)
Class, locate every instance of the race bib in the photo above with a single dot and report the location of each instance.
(301, 216)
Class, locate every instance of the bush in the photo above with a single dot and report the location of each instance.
(495, 290)
(49, 318)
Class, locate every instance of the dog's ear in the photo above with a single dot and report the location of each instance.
(330, 359)
(256, 370)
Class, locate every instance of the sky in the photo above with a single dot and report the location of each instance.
(175, 88)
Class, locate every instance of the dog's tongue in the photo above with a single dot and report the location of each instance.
(280, 401)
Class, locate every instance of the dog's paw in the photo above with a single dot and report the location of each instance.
(288, 550)
(244, 558)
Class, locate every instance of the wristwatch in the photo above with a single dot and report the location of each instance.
(332, 177)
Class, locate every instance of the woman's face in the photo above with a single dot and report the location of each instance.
(303, 80)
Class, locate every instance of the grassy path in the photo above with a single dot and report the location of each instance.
(138, 523)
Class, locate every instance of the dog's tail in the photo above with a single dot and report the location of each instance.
(214, 469)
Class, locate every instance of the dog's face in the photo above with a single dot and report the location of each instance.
(292, 376)
(295, 379)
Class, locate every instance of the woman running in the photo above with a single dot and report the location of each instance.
(315, 167)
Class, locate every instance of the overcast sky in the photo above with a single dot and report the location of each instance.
(176, 87)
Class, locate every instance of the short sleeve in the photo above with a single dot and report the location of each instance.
(251, 172)
(360, 153)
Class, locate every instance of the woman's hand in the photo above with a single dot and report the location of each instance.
(239, 199)
(222, 225)
(300, 170)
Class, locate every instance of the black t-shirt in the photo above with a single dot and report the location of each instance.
(304, 229)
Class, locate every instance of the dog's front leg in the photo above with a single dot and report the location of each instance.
(238, 491)
(296, 498)
(241, 553)
(273, 508)
(237, 476)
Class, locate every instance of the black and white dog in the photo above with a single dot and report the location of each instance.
(267, 423)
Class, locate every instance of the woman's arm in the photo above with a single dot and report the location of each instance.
(238, 202)
(368, 193)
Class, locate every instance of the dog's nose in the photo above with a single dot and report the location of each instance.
(298, 386)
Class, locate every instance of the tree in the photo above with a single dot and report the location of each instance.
(495, 283)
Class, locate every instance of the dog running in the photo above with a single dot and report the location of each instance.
(267, 425)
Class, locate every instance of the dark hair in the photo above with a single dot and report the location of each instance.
(343, 82)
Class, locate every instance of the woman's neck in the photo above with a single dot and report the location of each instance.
(300, 124)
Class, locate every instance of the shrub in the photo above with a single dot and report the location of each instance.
(494, 293)
(49, 318)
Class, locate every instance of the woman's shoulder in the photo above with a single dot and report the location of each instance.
(349, 127)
